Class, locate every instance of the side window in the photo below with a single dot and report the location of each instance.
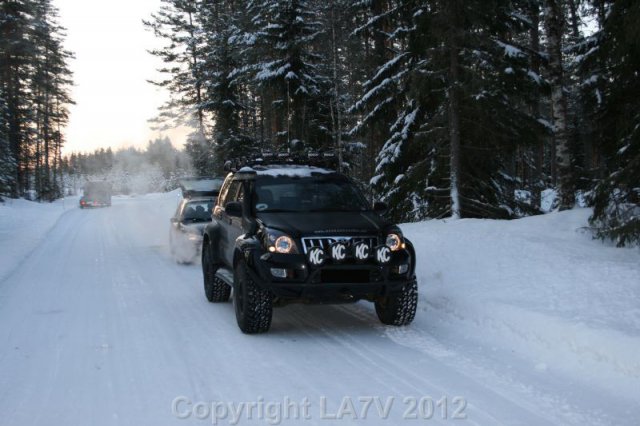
(179, 210)
(240, 196)
(233, 191)
(222, 197)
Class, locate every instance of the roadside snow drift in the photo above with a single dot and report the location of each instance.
(539, 286)
(23, 225)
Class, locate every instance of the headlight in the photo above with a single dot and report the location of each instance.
(194, 237)
(278, 242)
(394, 242)
(284, 244)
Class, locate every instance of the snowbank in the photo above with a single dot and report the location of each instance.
(23, 225)
(539, 286)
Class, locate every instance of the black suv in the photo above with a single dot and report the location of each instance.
(300, 234)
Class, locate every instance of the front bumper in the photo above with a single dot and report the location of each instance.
(332, 282)
(186, 247)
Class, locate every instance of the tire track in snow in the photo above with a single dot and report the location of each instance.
(513, 384)
(405, 377)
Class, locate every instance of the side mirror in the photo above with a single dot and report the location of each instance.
(233, 209)
(380, 207)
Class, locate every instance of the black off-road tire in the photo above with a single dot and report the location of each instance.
(399, 308)
(215, 289)
(253, 304)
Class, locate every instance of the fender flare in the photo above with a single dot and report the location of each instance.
(244, 246)
(412, 252)
(210, 234)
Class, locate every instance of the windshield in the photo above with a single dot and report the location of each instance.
(308, 194)
(197, 211)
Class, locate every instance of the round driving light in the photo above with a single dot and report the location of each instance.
(338, 251)
(394, 242)
(361, 251)
(283, 244)
(315, 256)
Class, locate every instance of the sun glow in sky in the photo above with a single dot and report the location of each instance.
(111, 69)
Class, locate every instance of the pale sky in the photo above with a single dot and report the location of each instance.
(113, 99)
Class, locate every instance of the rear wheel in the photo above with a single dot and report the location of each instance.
(215, 289)
(399, 308)
(253, 304)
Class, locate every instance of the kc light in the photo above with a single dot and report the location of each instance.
(394, 242)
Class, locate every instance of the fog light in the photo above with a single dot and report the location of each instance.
(279, 272)
(401, 269)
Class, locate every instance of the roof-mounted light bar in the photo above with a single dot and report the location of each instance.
(325, 159)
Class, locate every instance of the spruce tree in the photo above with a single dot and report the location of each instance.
(34, 80)
(223, 80)
(16, 57)
(616, 213)
(177, 24)
(7, 161)
(461, 87)
(286, 68)
(50, 83)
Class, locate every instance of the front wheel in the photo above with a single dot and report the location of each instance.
(399, 308)
(253, 304)
(215, 289)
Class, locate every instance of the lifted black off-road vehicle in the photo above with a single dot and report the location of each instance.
(300, 234)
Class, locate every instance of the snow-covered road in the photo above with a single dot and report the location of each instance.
(100, 327)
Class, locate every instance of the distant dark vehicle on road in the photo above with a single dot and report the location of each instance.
(96, 194)
(191, 216)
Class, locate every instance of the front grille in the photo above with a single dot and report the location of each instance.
(325, 242)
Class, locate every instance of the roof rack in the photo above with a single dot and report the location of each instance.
(324, 159)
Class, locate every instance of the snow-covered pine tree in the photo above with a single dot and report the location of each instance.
(7, 162)
(344, 68)
(616, 213)
(223, 99)
(177, 23)
(34, 80)
(581, 146)
(462, 83)
(50, 84)
(380, 105)
(286, 69)
(369, 48)
(588, 70)
(16, 54)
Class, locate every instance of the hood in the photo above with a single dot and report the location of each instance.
(325, 223)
